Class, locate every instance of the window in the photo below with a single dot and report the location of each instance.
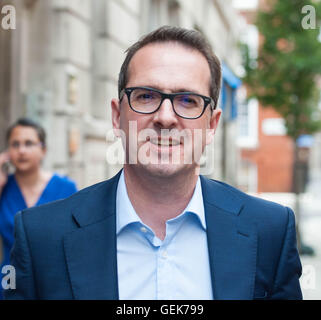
(247, 177)
(247, 121)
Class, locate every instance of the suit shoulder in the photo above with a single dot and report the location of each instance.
(251, 204)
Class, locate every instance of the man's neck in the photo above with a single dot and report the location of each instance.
(156, 199)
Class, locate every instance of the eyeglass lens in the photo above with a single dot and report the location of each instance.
(185, 105)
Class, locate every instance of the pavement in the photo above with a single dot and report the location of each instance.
(309, 222)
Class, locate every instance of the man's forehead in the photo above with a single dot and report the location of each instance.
(162, 54)
(166, 47)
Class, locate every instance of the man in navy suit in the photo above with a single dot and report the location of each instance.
(159, 230)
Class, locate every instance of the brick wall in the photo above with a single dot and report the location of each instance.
(273, 157)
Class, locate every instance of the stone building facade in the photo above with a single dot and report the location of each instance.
(60, 66)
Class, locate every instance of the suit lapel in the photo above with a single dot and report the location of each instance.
(91, 250)
(232, 243)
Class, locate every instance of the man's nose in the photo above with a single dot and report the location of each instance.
(165, 116)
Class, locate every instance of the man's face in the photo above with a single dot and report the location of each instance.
(170, 68)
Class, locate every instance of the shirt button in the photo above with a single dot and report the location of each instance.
(143, 229)
(164, 254)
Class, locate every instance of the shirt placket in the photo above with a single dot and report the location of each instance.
(165, 282)
(163, 274)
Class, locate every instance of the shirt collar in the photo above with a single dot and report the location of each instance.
(196, 204)
(126, 213)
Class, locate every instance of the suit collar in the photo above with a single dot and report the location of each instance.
(90, 250)
(95, 203)
(221, 196)
(232, 242)
(104, 193)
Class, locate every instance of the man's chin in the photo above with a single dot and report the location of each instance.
(166, 170)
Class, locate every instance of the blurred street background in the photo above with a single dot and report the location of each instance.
(310, 226)
(59, 65)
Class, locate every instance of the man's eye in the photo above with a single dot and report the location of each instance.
(187, 100)
(145, 96)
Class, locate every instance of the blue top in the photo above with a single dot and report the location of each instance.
(153, 269)
(12, 201)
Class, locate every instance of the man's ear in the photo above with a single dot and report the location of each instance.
(115, 115)
(214, 120)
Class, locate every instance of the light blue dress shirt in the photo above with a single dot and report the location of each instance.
(175, 268)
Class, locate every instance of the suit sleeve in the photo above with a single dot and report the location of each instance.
(286, 284)
(21, 261)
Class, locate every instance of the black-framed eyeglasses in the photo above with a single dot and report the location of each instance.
(187, 105)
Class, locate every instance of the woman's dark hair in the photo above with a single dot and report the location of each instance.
(25, 122)
(190, 38)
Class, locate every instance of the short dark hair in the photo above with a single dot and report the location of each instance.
(25, 122)
(189, 38)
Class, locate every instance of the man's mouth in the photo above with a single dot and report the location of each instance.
(164, 142)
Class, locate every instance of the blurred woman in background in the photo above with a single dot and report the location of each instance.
(29, 185)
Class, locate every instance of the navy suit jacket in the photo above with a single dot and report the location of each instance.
(67, 249)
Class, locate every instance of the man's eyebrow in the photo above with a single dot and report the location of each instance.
(174, 90)
(186, 90)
